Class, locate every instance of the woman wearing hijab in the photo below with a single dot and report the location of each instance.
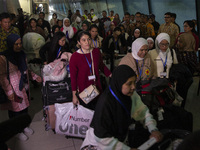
(114, 111)
(186, 54)
(16, 87)
(161, 56)
(136, 34)
(139, 60)
(67, 29)
(150, 41)
(186, 51)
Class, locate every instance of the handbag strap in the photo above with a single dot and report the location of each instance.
(92, 65)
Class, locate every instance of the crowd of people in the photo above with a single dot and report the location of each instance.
(136, 49)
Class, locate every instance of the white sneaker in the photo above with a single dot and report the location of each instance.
(22, 137)
(28, 130)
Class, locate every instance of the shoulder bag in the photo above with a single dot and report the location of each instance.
(91, 92)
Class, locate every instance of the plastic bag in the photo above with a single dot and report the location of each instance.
(72, 121)
(32, 41)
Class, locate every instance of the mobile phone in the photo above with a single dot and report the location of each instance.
(18, 99)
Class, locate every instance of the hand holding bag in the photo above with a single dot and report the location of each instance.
(89, 93)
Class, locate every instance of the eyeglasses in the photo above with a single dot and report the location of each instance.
(164, 45)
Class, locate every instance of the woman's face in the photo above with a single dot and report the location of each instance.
(143, 51)
(84, 27)
(89, 17)
(186, 27)
(40, 22)
(164, 45)
(112, 26)
(33, 24)
(56, 30)
(137, 34)
(85, 42)
(93, 32)
(62, 41)
(17, 46)
(116, 16)
(67, 23)
(54, 16)
(60, 23)
(150, 20)
(129, 86)
(150, 43)
(123, 30)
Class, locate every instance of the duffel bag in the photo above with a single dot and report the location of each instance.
(57, 92)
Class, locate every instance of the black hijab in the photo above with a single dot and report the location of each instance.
(110, 119)
(119, 76)
(16, 58)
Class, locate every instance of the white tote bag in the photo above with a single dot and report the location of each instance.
(72, 121)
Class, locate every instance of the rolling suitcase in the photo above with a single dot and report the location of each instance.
(55, 92)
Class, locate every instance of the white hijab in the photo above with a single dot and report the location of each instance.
(69, 29)
(150, 38)
(136, 45)
(159, 38)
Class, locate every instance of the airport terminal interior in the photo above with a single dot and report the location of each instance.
(43, 139)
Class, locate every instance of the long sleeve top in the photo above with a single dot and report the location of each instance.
(110, 125)
(13, 86)
(158, 64)
(79, 70)
(146, 65)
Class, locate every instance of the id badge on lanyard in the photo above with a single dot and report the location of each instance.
(92, 77)
(164, 73)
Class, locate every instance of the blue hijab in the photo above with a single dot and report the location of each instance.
(16, 58)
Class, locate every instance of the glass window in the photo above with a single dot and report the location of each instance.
(184, 9)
